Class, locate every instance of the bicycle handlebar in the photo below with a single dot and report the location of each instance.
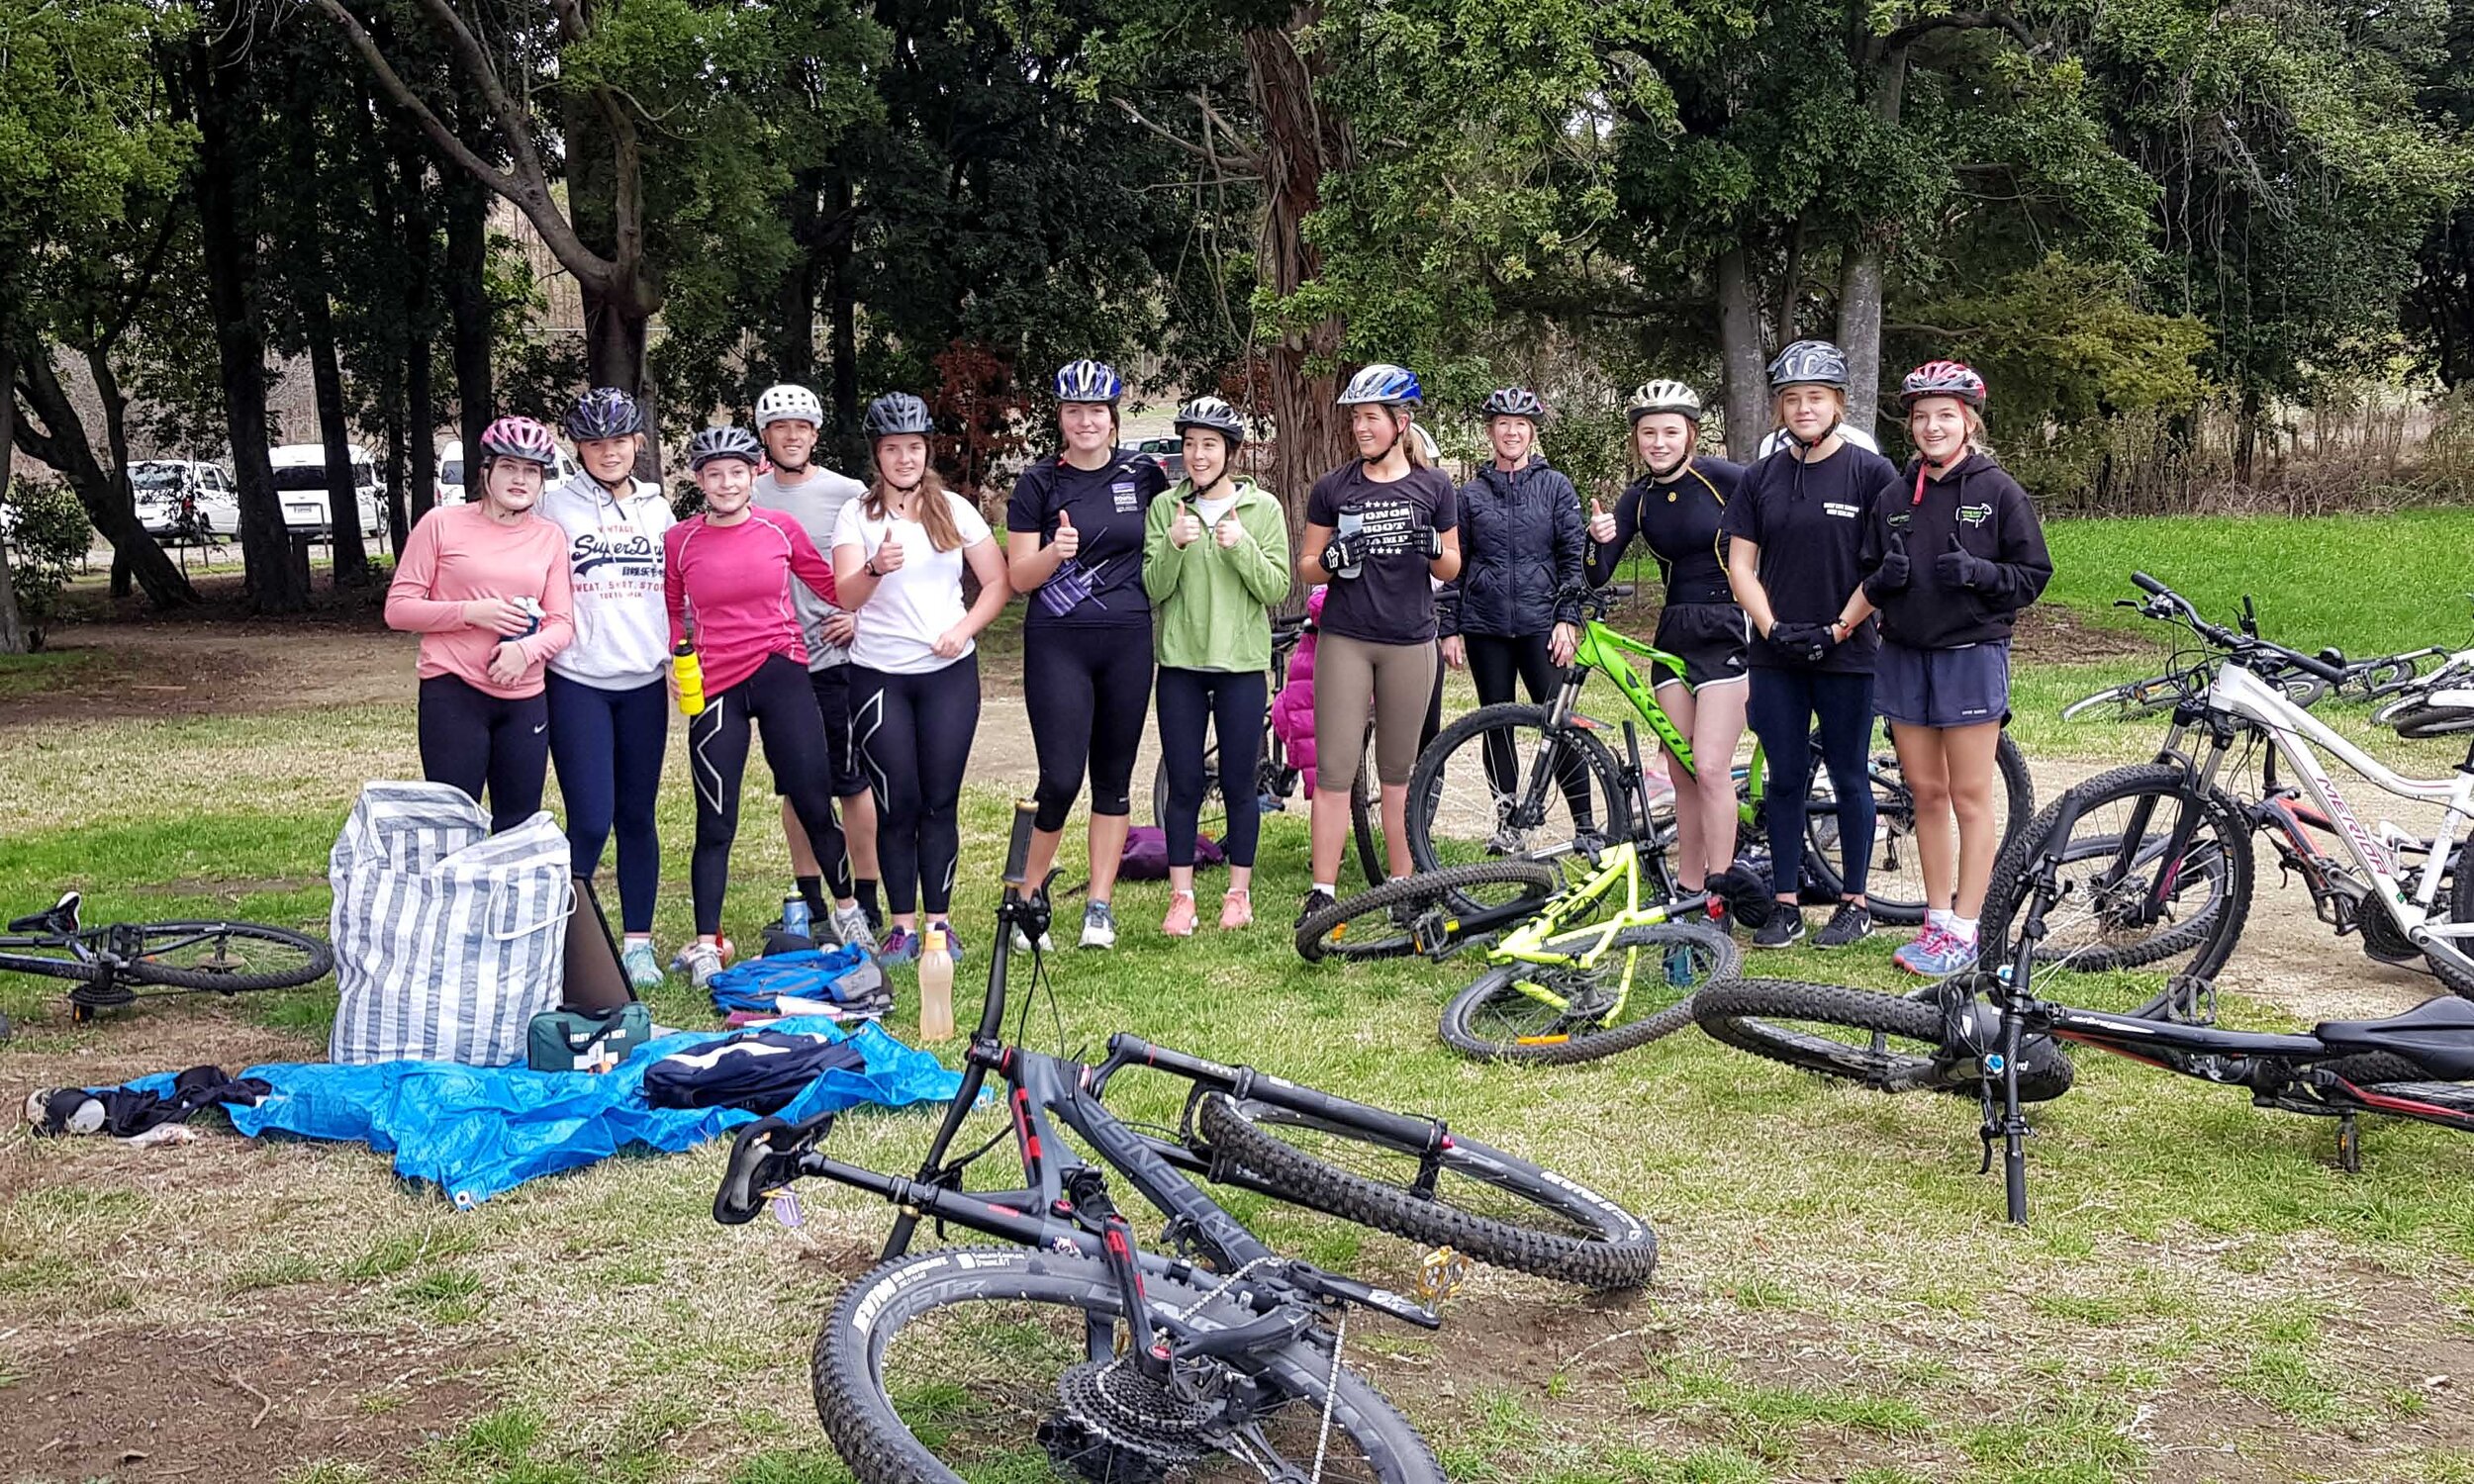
(1018, 849)
(2227, 640)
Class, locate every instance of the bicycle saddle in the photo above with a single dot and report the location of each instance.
(61, 919)
(2437, 1034)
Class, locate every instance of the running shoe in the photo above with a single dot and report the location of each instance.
(901, 946)
(1098, 925)
(1850, 925)
(1784, 927)
(850, 924)
(1179, 921)
(953, 942)
(702, 961)
(1316, 901)
(1023, 942)
(642, 966)
(1236, 909)
(1936, 954)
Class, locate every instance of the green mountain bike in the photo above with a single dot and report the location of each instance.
(1544, 782)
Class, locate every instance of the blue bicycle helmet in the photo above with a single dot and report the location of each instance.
(897, 412)
(1089, 381)
(1384, 383)
(603, 412)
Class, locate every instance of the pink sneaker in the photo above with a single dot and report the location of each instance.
(1920, 950)
(1236, 910)
(1179, 924)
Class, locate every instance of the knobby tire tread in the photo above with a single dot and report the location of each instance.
(1435, 888)
(1457, 1015)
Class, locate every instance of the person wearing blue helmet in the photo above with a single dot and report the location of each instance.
(1074, 543)
(1382, 530)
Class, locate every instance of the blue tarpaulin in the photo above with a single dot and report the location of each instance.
(477, 1131)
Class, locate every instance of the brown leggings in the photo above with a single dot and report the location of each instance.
(1351, 677)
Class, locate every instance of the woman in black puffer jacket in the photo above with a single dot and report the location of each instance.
(1515, 611)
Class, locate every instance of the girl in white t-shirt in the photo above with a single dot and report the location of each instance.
(914, 683)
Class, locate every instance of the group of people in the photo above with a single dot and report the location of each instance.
(831, 619)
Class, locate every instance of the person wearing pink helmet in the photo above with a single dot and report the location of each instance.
(485, 583)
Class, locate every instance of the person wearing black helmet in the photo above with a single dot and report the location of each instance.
(1955, 551)
(608, 691)
(1675, 508)
(1795, 539)
(1382, 530)
(1215, 558)
(1513, 614)
(898, 554)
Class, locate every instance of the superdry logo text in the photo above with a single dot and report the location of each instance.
(639, 555)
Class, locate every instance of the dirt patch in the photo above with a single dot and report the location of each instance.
(240, 1403)
(2051, 633)
(220, 663)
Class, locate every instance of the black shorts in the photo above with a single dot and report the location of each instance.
(1942, 687)
(831, 686)
(1709, 637)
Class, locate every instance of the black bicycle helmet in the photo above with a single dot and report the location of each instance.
(1808, 363)
(724, 442)
(1513, 402)
(1215, 414)
(897, 412)
(603, 412)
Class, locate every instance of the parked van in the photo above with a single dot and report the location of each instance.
(301, 484)
(448, 487)
(182, 500)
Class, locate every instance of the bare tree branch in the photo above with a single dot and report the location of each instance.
(1981, 20)
(402, 96)
(1218, 160)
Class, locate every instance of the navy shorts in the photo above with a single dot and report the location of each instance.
(1709, 637)
(1942, 687)
(831, 686)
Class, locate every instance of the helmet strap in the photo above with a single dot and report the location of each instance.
(1669, 474)
(1400, 431)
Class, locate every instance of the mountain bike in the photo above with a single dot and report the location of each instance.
(2157, 863)
(1214, 1358)
(113, 965)
(1543, 783)
(1989, 1032)
(1277, 780)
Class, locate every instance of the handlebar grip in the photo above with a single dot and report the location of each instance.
(1018, 849)
(1619, 591)
(2313, 665)
(2148, 585)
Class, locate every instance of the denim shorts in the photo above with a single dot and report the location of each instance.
(1942, 687)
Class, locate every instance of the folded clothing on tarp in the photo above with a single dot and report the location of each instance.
(845, 979)
(476, 1132)
(759, 1071)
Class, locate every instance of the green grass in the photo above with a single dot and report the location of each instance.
(33, 673)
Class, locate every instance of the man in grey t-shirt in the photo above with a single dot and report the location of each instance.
(787, 421)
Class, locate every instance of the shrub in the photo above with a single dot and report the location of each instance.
(47, 536)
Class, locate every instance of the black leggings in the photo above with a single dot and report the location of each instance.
(1232, 703)
(911, 736)
(777, 700)
(473, 739)
(1494, 661)
(1783, 707)
(608, 747)
(1087, 691)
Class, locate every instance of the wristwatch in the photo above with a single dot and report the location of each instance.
(869, 567)
(1840, 628)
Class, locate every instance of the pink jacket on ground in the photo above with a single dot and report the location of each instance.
(1293, 710)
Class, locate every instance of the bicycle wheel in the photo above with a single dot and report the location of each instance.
(2386, 678)
(1546, 789)
(2103, 921)
(1417, 913)
(1894, 871)
(231, 958)
(1882, 1040)
(1364, 818)
(1640, 989)
(979, 1362)
(1471, 1197)
(1214, 818)
(2128, 700)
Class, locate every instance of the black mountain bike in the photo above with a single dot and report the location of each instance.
(113, 965)
(1229, 1362)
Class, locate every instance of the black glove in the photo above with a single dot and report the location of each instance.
(1347, 549)
(1961, 567)
(1430, 541)
(1804, 642)
(1895, 572)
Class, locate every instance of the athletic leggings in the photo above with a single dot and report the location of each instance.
(473, 739)
(913, 737)
(1232, 703)
(1494, 663)
(1782, 708)
(775, 699)
(609, 745)
(1087, 691)
(1351, 677)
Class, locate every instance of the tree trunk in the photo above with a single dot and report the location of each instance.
(344, 506)
(1790, 284)
(115, 404)
(1741, 361)
(468, 309)
(13, 638)
(227, 198)
(843, 284)
(60, 441)
(414, 209)
(1860, 284)
(396, 442)
(795, 297)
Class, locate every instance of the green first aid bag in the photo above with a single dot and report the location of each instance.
(573, 1040)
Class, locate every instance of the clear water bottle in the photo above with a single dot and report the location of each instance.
(795, 918)
(937, 988)
(1351, 522)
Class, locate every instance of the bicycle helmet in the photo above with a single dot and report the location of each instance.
(1942, 378)
(1513, 402)
(1663, 396)
(787, 404)
(1215, 414)
(724, 442)
(894, 414)
(1814, 363)
(520, 438)
(1384, 383)
(603, 412)
(1087, 381)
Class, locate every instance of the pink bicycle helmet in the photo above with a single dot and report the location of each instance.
(520, 438)
(1942, 378)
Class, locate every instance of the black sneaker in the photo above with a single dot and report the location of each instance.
(1850, 925)
(1785, 926)
(1314, 901)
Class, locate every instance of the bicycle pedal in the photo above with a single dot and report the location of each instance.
(1441, 1275)
(784, 1206)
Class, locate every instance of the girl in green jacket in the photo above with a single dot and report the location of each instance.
(1215, 558)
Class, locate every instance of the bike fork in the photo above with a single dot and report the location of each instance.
(2010, 1126)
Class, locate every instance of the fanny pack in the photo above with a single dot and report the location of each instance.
(571, 1040)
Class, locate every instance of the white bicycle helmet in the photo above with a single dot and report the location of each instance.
(787, 403)
(1665, 394)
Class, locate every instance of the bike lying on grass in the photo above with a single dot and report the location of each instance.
(113, 965)
(1989, 1033)
(1230, 1364)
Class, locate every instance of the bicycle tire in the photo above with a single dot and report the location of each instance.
(1468, 1013)
(2460, 909)
(867, 1429)
(1759, 1017)
(1616, 1250)
(2385, 678)
(1430, 787)
(1325, 934)
(1364, 790)
(2207, 935)
(1902, 905)
(318, 959)
(2132, 699)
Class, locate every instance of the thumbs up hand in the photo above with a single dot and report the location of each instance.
(1958, 567)
(1601, 522)
(1895, 572)
(1067, 540)
(1227, 533)
(1185, 529)
(889, 554)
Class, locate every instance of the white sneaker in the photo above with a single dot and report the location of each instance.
(1023, 942)
(702, 961)
(1098, 925)
(850, 924)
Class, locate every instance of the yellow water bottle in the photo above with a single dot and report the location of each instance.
(691, 674)
(937, 988)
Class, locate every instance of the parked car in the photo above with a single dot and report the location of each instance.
(1168, 453)
(448, 487)
(164, 485)
(301, 484)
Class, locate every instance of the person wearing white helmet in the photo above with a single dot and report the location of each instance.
(788, 420)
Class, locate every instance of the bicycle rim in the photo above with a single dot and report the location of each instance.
(1638, 989)
(1880, 1040)
(221, 956)
(1894, 869)
(1496, 783)
(1421, 913)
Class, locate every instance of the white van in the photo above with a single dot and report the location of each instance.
(448, 487)
(301, 484)
(184, 500)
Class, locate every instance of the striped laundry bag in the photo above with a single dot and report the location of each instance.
(449, 939)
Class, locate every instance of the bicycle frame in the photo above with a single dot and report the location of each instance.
(1602, 649)
(1571, 917)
